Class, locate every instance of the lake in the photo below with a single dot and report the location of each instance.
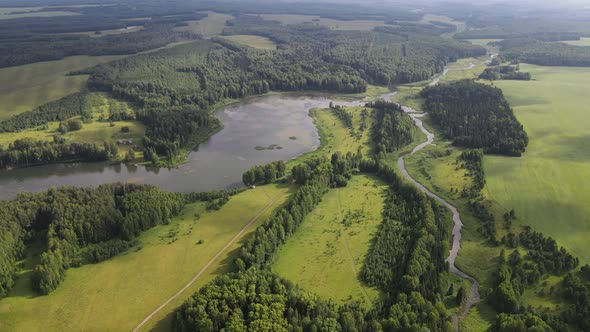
(217, 164)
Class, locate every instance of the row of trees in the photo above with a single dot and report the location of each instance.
(475, 115)
(268, 173)
(29, 152)
(77, 104)
(406, 259)
(504, 73)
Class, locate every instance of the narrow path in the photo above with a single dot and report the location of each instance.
(237, 236)
(473, 297)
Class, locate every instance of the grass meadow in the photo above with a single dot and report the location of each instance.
(328, 250)
(209, 26)
(28, 86)
(548, 186)
(259, 42)
(118, 293)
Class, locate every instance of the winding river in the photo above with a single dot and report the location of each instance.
(473, 297)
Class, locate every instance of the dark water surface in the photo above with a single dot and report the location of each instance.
(217, 164)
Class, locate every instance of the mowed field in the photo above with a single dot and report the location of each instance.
(328, 250)
(549, 186)
(119, 293)
(26, 87)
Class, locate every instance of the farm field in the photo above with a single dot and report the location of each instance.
(327, 252)
(363, 25)
(120, 292)
(259, 42)
(547, 186)
(26, 87)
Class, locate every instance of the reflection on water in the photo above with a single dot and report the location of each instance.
(217, 164)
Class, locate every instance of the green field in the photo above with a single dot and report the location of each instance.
(328, 250)
(259, 42)
(28, 86)
(548, 186)
(117, 294)
(209, 26)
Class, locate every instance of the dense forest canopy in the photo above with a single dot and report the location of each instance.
(475, 115)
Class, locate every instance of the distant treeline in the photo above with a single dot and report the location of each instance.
(545, 53)
(475, 115)
(82, 225)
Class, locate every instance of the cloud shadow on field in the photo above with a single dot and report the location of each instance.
(572, 148)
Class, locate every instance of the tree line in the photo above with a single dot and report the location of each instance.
(266, 174)
(28, 152)
(544, 53)
(504, 73)
(475, 115)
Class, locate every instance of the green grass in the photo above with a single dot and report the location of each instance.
(117, 294)
(325, 255)
(209, 26)
(480, 318)
(548, 186)
(259, 42)
(28, 86)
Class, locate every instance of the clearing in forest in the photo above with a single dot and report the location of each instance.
(327, 252)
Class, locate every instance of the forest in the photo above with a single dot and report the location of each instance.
(475, 115)
(78, 226)
(545, 53)
(392, 128)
